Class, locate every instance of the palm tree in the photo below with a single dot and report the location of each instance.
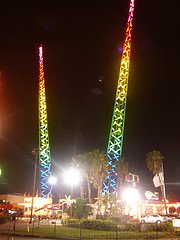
(84, 163)
(122, 170)
(154, 162)
(93, 166)
(99, 170)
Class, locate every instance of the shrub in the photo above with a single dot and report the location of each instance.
(92, 224)
(73, 223)
(112, 226)
(165, 227)
(98, 225)
(81, 209)
(132, 226)
(162, 227)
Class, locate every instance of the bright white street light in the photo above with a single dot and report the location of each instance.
(131, 195)
(52, 180)
(72, 176)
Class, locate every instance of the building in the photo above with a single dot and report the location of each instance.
(11, 198)
(38, 207)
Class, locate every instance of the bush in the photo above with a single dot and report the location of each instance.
(132, 226)
(112, 226)
(3, 219)
(93, 224)
(162, 227)
(81, 209)
(73, 223)
(98, 225)
(165, 227)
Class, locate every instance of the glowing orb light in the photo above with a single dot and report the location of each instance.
(131, 195)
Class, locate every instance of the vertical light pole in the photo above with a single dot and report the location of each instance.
(35, 153)
(163, 190)
(72, 177)
(52, 181)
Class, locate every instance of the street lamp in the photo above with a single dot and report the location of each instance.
(35, 153)
(52, 181)
(131, 195)
(72, 177)
(131, 198)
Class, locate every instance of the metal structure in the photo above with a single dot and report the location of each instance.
(44, 149)
(114, 149)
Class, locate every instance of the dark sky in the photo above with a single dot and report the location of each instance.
(82, 44)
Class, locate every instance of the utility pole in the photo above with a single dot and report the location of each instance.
(163, 189)
(35, 153)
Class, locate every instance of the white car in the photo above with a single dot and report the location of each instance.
(155, 218)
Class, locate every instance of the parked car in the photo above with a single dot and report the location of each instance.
(155, 218)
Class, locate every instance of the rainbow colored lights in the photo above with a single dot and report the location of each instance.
(114, 149)
(44, 149)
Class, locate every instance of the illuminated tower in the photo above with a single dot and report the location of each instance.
(44, 149)
(114, 149)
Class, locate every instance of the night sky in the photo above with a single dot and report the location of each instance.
(82, 50)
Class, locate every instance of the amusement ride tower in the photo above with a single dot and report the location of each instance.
(44, 149)
(114, 149)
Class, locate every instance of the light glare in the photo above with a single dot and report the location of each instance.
(72, 176)
(131, 195)
(52, 180)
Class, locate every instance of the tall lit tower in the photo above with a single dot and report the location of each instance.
(44, 149)
(114, 149)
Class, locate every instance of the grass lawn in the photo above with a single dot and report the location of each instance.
(62, 231)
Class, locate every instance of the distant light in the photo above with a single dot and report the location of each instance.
(52, 180)
(131, 195)
(120, 49)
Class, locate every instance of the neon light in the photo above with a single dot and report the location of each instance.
(44, 149)
(114, 149)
